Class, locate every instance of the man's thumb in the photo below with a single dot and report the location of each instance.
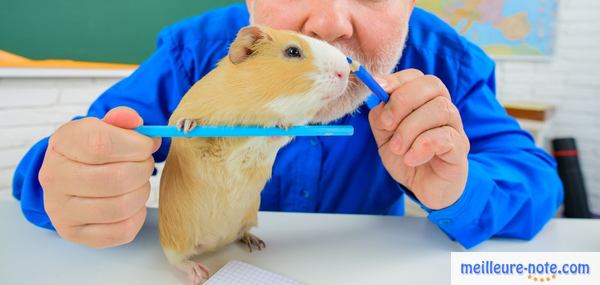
(123, 117)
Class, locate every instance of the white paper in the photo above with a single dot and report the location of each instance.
(237, 272)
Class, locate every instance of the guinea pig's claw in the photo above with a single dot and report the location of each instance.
(186, 125)
(252, 241)
(284, 126)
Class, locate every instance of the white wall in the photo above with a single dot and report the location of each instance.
(32, 107)
(570, 81)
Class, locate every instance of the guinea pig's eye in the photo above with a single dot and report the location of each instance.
(293, 52)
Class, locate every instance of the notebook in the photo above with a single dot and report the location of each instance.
(237, 272)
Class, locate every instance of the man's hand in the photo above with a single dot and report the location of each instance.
(421, 139)
(95, 178)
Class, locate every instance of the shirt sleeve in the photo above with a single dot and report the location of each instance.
(512, 188)
(153, 90)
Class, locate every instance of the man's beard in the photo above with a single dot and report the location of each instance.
(386, 58)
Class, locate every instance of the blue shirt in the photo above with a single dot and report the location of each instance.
(512, 187)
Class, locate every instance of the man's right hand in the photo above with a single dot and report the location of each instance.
(95, 178)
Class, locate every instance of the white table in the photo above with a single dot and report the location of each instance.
(313, 248)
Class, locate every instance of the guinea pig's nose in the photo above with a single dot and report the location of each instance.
(340, 74)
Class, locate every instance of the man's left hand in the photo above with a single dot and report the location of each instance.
(420, 137)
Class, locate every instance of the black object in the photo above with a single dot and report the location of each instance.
(576, 202)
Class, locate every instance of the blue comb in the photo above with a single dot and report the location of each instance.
(217, 131)
(368, 80)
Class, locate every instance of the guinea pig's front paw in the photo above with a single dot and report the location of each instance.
(186, 125)
(284, 126)
(197, 272)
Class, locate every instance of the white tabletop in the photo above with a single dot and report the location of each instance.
(312, 248)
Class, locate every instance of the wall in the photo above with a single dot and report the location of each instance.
(31, 108)
(107, 31)
(570, 81)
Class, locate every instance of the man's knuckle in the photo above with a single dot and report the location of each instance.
(54, 139)
(95, 244)
(426, 142)
(400, 101)
(99, 143)
(437, 85)
(432, 79)
(63, 129)
(130, 234)
(119, 173)
(121, 208)
(111, 237)
(92, 176)
(147, 146)
(446, 109)
(413, 72)
(430, 89)
(466, 144)
(66, 233)
(101, 242)
(130, 229)
(145, 169)
(60, 137)
(439, 111)
(147, 188)
(52, 209)
(46, 177)
(450, 107)
(148, 166)
(449, 136)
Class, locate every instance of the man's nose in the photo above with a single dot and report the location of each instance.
(329, 20)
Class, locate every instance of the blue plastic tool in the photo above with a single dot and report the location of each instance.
(368, 80)
(217, 131)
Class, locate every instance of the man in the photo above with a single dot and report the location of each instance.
(442, 139)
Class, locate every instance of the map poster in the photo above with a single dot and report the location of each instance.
(503, 28)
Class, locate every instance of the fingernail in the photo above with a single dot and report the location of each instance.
(387, 117)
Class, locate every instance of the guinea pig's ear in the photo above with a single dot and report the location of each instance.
(245, 44)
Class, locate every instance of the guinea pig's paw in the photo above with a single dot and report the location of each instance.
(197, 272)
(252, 241)
(186, 125)
(284, 126)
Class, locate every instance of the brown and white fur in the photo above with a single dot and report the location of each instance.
(210, 187)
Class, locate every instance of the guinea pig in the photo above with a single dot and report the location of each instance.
(210, 187)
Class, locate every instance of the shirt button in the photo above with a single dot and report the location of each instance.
(313, 142)
(305, 194)
(445, 221)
